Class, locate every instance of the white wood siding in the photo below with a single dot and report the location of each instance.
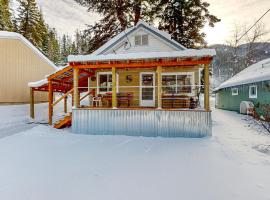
(155, 44)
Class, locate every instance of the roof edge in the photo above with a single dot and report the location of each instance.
(13, 35)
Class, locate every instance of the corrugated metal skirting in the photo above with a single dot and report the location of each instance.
(149, 123)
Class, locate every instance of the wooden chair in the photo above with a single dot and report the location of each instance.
(124, 98)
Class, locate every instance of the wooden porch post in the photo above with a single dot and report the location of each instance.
(114, 95)
(50, 98)
(159, 86)
(89, 89)
(75, 85)
(32, 103)
(206, 88)
(72, 98)
(65, 104)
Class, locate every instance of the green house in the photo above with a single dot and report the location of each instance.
(252, 84)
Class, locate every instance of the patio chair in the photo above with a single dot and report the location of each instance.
(97, 101)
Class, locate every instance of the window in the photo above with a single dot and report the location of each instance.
(177, 83)
(104, 83)
(234, 91)
(253, 91)
(141, 40)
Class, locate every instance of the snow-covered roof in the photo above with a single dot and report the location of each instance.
(255, 73)
(115, 40)
(45, 80)
(12, 35)
(38, 83)
(188, 53)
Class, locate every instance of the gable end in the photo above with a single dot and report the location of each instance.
(171, 42)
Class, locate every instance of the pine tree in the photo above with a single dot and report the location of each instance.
(44, 33)
(69, 47)
(29, 21)
(5, 16)
(118, 15)
(53, 52)
(184, 20)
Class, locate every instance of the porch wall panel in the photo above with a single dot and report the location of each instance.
(149, 123)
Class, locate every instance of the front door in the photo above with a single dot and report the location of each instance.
(147, 89)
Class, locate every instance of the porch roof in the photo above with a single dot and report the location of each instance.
(63, 78)
(188, 53)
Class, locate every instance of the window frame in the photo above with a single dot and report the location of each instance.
(233, 92)
(180, 73)
(98, 82)
(141, 40)
(256, 89)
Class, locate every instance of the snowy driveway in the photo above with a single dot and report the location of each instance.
(43, 163)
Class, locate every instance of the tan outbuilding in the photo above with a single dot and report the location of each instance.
(20, 63)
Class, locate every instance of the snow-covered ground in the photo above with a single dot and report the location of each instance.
(39, 162)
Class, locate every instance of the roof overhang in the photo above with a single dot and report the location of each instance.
(184, 54)
(17, 36)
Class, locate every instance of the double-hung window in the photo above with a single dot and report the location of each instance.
(253, 91)
(178, 83)
(141, 40)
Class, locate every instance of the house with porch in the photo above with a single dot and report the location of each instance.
(140, 83)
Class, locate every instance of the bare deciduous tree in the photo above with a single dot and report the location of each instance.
(239, 54)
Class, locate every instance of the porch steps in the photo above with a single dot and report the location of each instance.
(66, 121)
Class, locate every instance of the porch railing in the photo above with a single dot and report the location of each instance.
(138, 96)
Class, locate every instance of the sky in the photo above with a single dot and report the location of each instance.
(67, 16)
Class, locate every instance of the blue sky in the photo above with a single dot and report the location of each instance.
(67, 16)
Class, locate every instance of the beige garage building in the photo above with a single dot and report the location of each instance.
(20, 63)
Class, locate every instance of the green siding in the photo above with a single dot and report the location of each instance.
(227, 101)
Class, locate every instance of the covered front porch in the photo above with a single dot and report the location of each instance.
(147, 96)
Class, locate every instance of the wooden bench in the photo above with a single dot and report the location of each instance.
(122, 98)
(174, 101)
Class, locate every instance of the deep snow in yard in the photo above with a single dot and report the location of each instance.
(39, 162)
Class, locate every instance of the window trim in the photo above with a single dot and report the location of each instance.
(256, 89)
(181, 73)
(107, 73)
(235, 93)
(141, 36)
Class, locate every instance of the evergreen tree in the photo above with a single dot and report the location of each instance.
(118, 15)
(80, 43)
(44, 33)
(184, 20)
(5, 16)
(53, 51)
(69, 47)
(29, 21)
